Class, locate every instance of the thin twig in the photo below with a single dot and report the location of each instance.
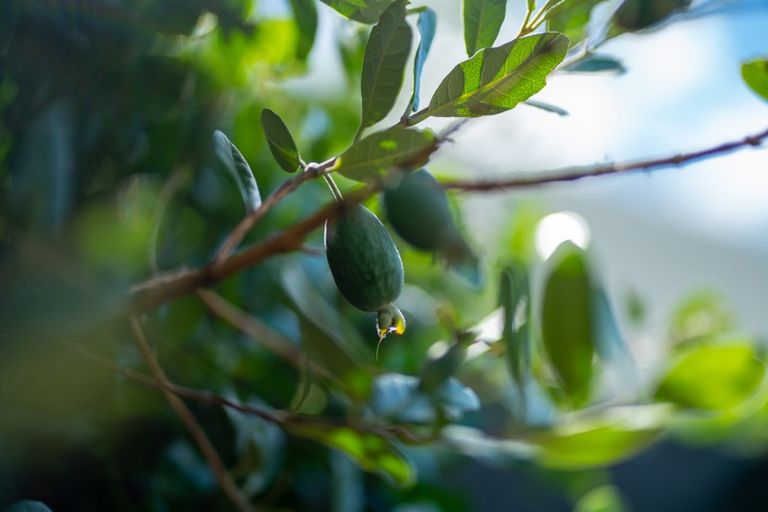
(196, 431)
(517, 181)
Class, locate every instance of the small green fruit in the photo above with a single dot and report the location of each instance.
(366, 266)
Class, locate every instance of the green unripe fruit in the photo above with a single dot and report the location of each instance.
(419, 212)
(366, 265)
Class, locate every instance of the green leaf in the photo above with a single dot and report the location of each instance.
(514, 298)
(567, 329)
(597, 64)
(28, 506)
(332, 341)
(280, 142)
(384, 63)
(305, 15)
(712, 375)
(755, 75)
(364, 11)
(605, 498)
(497, 79)
(381, 152)
(585, 443)
(571, 18)
(639, 14)
(427, 26)
(371, 451)
(233, 160)
(482, 21)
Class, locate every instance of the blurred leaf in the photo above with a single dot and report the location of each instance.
(639, 14)
(605, 498)
(400, 397)
(514, 299)
(712, 376)
(280, 141)
(233, 160)
(755, 75)
(427, 25)
(567, 327)
(482, 21)
(372, 452)
(329, 338)
(571, 18)
(700, 315)
(547, 107)
(305, 15)
(381, 152)
(348, 484)
(259, 445)
(364, 11)
(597, 63)
(386, 54)
(602, 440)
(609, 341)
(28, 506)
(497, 79)
(436, 370)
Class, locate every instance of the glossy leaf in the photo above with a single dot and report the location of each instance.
(233, 160)
(364, 11)
(371, 451)
(755, 75)
(567, 330)
(427, 25)
(386, 55)
(280, 141)
(497, 79)
(597, 64)
(305, 15)
(381, 152)
(712, 376)
(571, 18)
(482, 22)
(601, 441)
(639, 14)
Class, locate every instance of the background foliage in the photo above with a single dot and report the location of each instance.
(129, 142)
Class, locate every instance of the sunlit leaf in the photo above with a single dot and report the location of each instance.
(597, 63)
(305, 15)
(384, 63)
(427, 25)
(364, 11)
(755, 75)
(396, 148)
(497, 79)
(371, 451)
(567, 329)
(584, 443)
(482, 21)
(233, 160)
(712, 375)
(700, 315)
(605, 498)
(571, 18)
(280, 141)
(639, 14)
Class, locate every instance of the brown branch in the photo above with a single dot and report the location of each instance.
(577, 173)
(196, 431)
